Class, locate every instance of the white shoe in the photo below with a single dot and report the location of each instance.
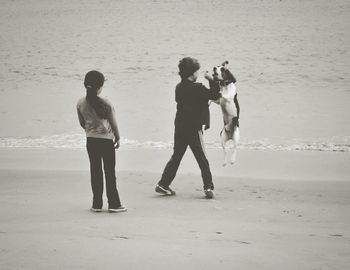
(118, 209)
(96, 210)
(165, 191)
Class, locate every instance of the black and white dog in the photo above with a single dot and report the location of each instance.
(230, 110)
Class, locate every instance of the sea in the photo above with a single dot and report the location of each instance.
(291, 59)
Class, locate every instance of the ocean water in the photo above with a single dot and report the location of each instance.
(291, 59)
(78, 141)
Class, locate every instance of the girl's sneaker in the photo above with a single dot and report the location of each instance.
(118, 209)
(165, 191)
(209, 193)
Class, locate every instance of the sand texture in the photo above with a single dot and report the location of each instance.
(254, 223)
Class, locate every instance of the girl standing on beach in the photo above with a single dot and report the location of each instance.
(97, 118)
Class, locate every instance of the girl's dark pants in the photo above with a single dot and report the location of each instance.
(193, 138)
(102, 150)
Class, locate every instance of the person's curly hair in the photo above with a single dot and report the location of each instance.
(188, 66)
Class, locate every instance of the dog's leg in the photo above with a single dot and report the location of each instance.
(235, 140)
(224, 138)
(234, 153)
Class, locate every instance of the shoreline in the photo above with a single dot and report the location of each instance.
(253, 164)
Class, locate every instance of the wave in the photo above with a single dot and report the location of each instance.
(77, 141)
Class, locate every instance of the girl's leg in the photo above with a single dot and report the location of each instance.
(109, 168)
(95, 172)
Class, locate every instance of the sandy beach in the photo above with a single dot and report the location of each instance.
(284, 205)
(261, 218)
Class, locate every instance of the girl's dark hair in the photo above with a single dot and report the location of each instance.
(188, 66)
(94, 80)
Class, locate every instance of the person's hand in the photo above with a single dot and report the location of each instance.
(208, 76)
(116, 144)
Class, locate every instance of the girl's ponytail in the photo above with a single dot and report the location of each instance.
(94, 80)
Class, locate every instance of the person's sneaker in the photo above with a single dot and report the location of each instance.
(209, 193)
(165, 191)
(96, 210)
(118, 209)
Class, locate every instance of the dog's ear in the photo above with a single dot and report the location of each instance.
(230, 76)
(215, 71)
(224, 64)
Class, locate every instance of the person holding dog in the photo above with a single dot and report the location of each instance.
(97, 118)
(192, 114)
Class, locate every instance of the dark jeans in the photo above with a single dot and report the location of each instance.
(102, 150)
(187, 137)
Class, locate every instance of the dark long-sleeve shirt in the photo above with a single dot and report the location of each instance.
(192, 104)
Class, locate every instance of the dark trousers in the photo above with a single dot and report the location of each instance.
(183, 138)
(102, 150)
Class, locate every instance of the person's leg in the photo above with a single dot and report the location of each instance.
(180, 146)
(108, 156)
(197, 147)
(96, 173)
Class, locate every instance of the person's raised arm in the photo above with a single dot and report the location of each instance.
(213, 93)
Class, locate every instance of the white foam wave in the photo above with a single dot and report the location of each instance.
(77, 141)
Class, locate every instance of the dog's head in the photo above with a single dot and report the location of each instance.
(223, 75)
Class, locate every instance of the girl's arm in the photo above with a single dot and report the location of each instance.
(81, 119)
(113, 122)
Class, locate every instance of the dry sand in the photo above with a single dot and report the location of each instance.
(290, 220)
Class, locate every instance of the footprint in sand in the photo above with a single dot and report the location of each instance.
(241, 242)
(336, 235)
(119, 237)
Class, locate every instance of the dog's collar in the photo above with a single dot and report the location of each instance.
(224, 82)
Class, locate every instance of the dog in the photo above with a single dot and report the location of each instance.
(230, 110)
